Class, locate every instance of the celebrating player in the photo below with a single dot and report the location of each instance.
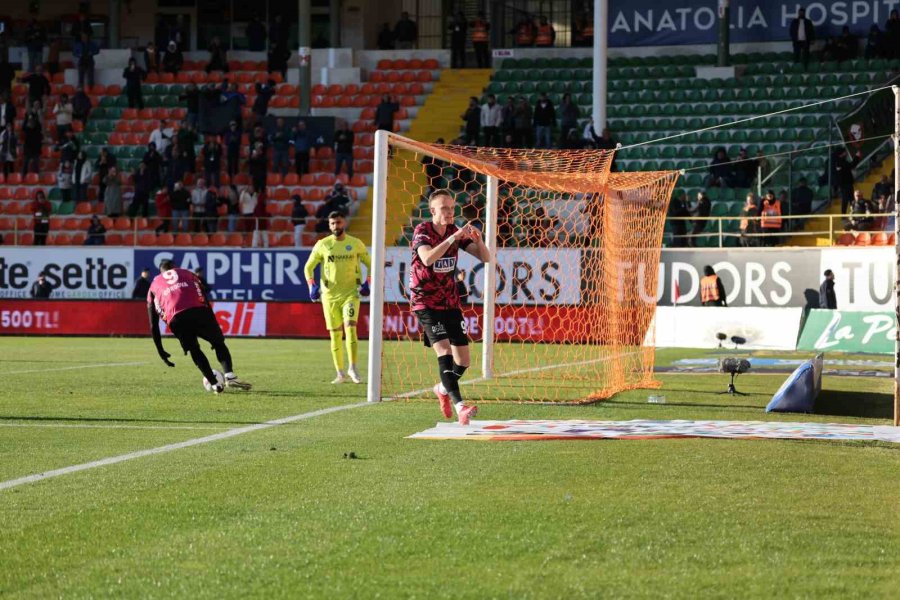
(176, 297)
(340, 255)
(435, 300)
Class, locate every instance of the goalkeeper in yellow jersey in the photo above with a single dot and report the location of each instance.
(341, 286)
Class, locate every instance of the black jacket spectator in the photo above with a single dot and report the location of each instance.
(544, 114)
(384, 113)
(385, 38)
(81, 106)
(406, 32)
(96, 236)
(678, 208)
(720, 172)
(278, 59)
(134, 76)
(173, 59)
(343, 141)
(827, 298)
(141, 286)
(256, 35)
(801, 199)
(7, 74)
(41, 289)
(38, 86)
(264, 93)
(180, 199)
(218, 57)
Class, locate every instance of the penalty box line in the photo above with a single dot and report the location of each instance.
(112, 460)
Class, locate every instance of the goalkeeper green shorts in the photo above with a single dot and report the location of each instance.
(340, 309)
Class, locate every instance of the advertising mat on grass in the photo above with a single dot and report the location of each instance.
(641, 429)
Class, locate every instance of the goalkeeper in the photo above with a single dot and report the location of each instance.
(339, 255)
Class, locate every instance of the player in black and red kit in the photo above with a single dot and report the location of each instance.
(435, 300)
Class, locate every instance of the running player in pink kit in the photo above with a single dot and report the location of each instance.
(435, 300)
(176, 297)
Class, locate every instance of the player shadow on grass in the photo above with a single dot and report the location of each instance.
(855, 404)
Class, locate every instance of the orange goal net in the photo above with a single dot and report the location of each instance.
(565, 312)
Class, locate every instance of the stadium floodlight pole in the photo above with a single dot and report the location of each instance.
(490, 281)
(376, 298)
(304, 40)
(896, 90)
(601, 33)
(724, 34)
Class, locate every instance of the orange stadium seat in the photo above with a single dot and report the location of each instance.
(431, 64)
(32, 179)
(234, 239)
(200, 239)
(165, 239)
(863, 238)
(400, 63)
(146, 239)
(14, 179)
(217, 239)
(183, 239)
(384, 63)
(78, 238)
(114, 239)
(23, 193)
(415, 63)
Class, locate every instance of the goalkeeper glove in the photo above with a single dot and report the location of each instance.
(364, 288)
(314, 293)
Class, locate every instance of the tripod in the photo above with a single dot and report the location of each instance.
(731, 389)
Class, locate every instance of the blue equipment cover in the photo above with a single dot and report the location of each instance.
(799, 392)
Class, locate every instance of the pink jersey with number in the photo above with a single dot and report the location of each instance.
(434, 287)
(175, 291)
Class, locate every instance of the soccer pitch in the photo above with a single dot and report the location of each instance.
(279, 511)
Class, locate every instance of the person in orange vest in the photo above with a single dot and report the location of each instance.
(481, 29)
(525, 32)
(712, 292)
(749, 224)
(770, 221)
(546, 35)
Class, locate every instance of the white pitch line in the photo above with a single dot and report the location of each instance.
(87, 426)
(90, 366)
(5, 485)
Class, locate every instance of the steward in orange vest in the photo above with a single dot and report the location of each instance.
(712, 292)
(480, 29)
(545, 34)
(525, 33)
(770, 218)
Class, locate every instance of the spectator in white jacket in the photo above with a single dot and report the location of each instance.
(83, 173)
(491, 120)
(198, 204)
(162, 137)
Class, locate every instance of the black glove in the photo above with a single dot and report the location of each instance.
(165, 357)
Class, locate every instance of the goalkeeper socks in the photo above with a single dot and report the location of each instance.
(449, 379)
(337, 351)
(352, 342)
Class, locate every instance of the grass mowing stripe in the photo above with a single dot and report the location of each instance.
(75, 426)
(4, 485)
(88, 366)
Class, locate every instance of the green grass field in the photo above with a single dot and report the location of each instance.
(280, 512)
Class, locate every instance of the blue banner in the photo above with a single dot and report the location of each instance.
(239, 274)
(654, 23)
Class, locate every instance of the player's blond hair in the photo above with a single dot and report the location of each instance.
(437, 194)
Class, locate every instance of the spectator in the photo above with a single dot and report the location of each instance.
(84, 52)
(281, 147)
(218, 56)
(302, 146)
(154, 161)
(298, 219)
(523, 123)
(82, 173)
(198, 205)
(827, 297)
(173, 59)
(874, 43)
(843, 163)
(278, 32)
(112, 195)
(211, 212)
(384, 113)
(259, 138)
(63, 111)
(248, 201)
(264, 93)
(802, 35)
(481, 33)
(462, 290)
(7, 75)
(278, 58)
(337, 200)
(228, 197)
(256, 35)
(258, 167)
(749, 225)
(64, 177)
(161, 137)
(142, 285)
(260, 222)
(860, 213)
(472, 119)
(508, 118)
(884, 187)
(8, 150)
(545, 36)
(151, 58)
(525, 31)
(143, 187)
(163, 203)
(770, 218)
(35, 38)
(892, 35)
(712, 291)
(744, 169)
(886, 205)
(40, 210)
(406, 33)
(104, 163)
(458, 33)
(700, 212)
(96, 234)
(187, 140)
(81, 106)
(38, 86)
(720, 172)
(509, 141)
(568, 117)
(134, 76)
(544, 120)
(33, 141)
(801, 199)
(212, 161)
(82, 25)
(7, 111)
(572, 141)
(41, 289)
(36, 110)
(232, 139)
(678, 211)
(343, 150)
(69, 147)
(180, 200)
(491, 120)
(178, 32)
(847, 45)
(385, 38)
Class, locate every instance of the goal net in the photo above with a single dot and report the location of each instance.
(565, 313)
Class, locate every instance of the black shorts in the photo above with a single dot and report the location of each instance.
(193, 323)
(443, 325)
